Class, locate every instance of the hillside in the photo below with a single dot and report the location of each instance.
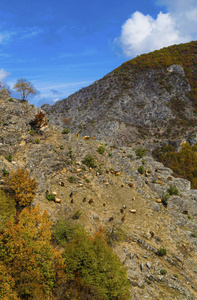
(148, 100)
(119, 193)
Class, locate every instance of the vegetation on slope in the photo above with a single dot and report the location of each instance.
(183, 163)
(32, 268)
(183, 54)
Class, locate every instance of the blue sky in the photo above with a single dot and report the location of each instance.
(61, 46)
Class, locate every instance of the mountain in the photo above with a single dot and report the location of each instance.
(150, 100)
(149, 216)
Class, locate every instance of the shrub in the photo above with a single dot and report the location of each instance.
(110, 154)
(37, 141)
(162, 252)
(65, 131)
(141, 169)
(21, 187)
(163, 272)
(100, 170)
(173, 190)
(9, 157)
(5, 172)
(50, 197)
(10, 99)
(140, 152)
(115, 234)
(39, 121)
(101, 149)
(70, 153)
(89, 161)
(165, 198)
(87, 180)
(154, 180)
(77, 214)
(71, 179)
(61, 147)
(32, 132)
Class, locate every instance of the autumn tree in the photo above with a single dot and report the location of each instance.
(33, 267)
(21, 187)
(25, 88)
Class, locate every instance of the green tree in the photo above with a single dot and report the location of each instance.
(91, 265)
(25, 88)
(30, 260)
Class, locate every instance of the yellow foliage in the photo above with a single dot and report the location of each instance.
(21, 187)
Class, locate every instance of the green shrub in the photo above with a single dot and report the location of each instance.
(77, 214)
(162, 252)
(10, 99)
(165, 198)
(141, 169)
(5, 172)
(9, 157)
(130, 156)
(70, 153)
(101, 149)
(65, 131)
(61, 147)
(173, 190)
(194, 234)
(163, 272)
(37, 141)
(176, 276)
(50, 197)
(115, 234)
(140, 152)
(110, 154)
(143, 161)
(71, 179)
(89, 161)
(154, 180)
(87, 180)
(32, 132)
(100, 170)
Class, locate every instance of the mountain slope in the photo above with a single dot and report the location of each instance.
(148, 99)
(125, 204)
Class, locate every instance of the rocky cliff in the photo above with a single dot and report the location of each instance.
(150, 100)
(117, 193)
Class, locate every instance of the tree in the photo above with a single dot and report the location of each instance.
(25, 88)
(33, 267)
(21, 187)
(92, 268)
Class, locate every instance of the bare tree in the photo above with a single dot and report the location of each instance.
(25, 88)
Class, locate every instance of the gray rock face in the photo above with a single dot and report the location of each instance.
(147, 107)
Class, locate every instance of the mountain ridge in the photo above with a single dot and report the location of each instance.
(143, 98)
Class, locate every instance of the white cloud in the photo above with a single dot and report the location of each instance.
(142, 33)
(3, 74)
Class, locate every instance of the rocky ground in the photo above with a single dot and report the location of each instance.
(113, 195)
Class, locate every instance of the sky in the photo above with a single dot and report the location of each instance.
(61, 46)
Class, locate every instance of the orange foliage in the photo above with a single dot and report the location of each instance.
(21, 187)
(26, 252)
